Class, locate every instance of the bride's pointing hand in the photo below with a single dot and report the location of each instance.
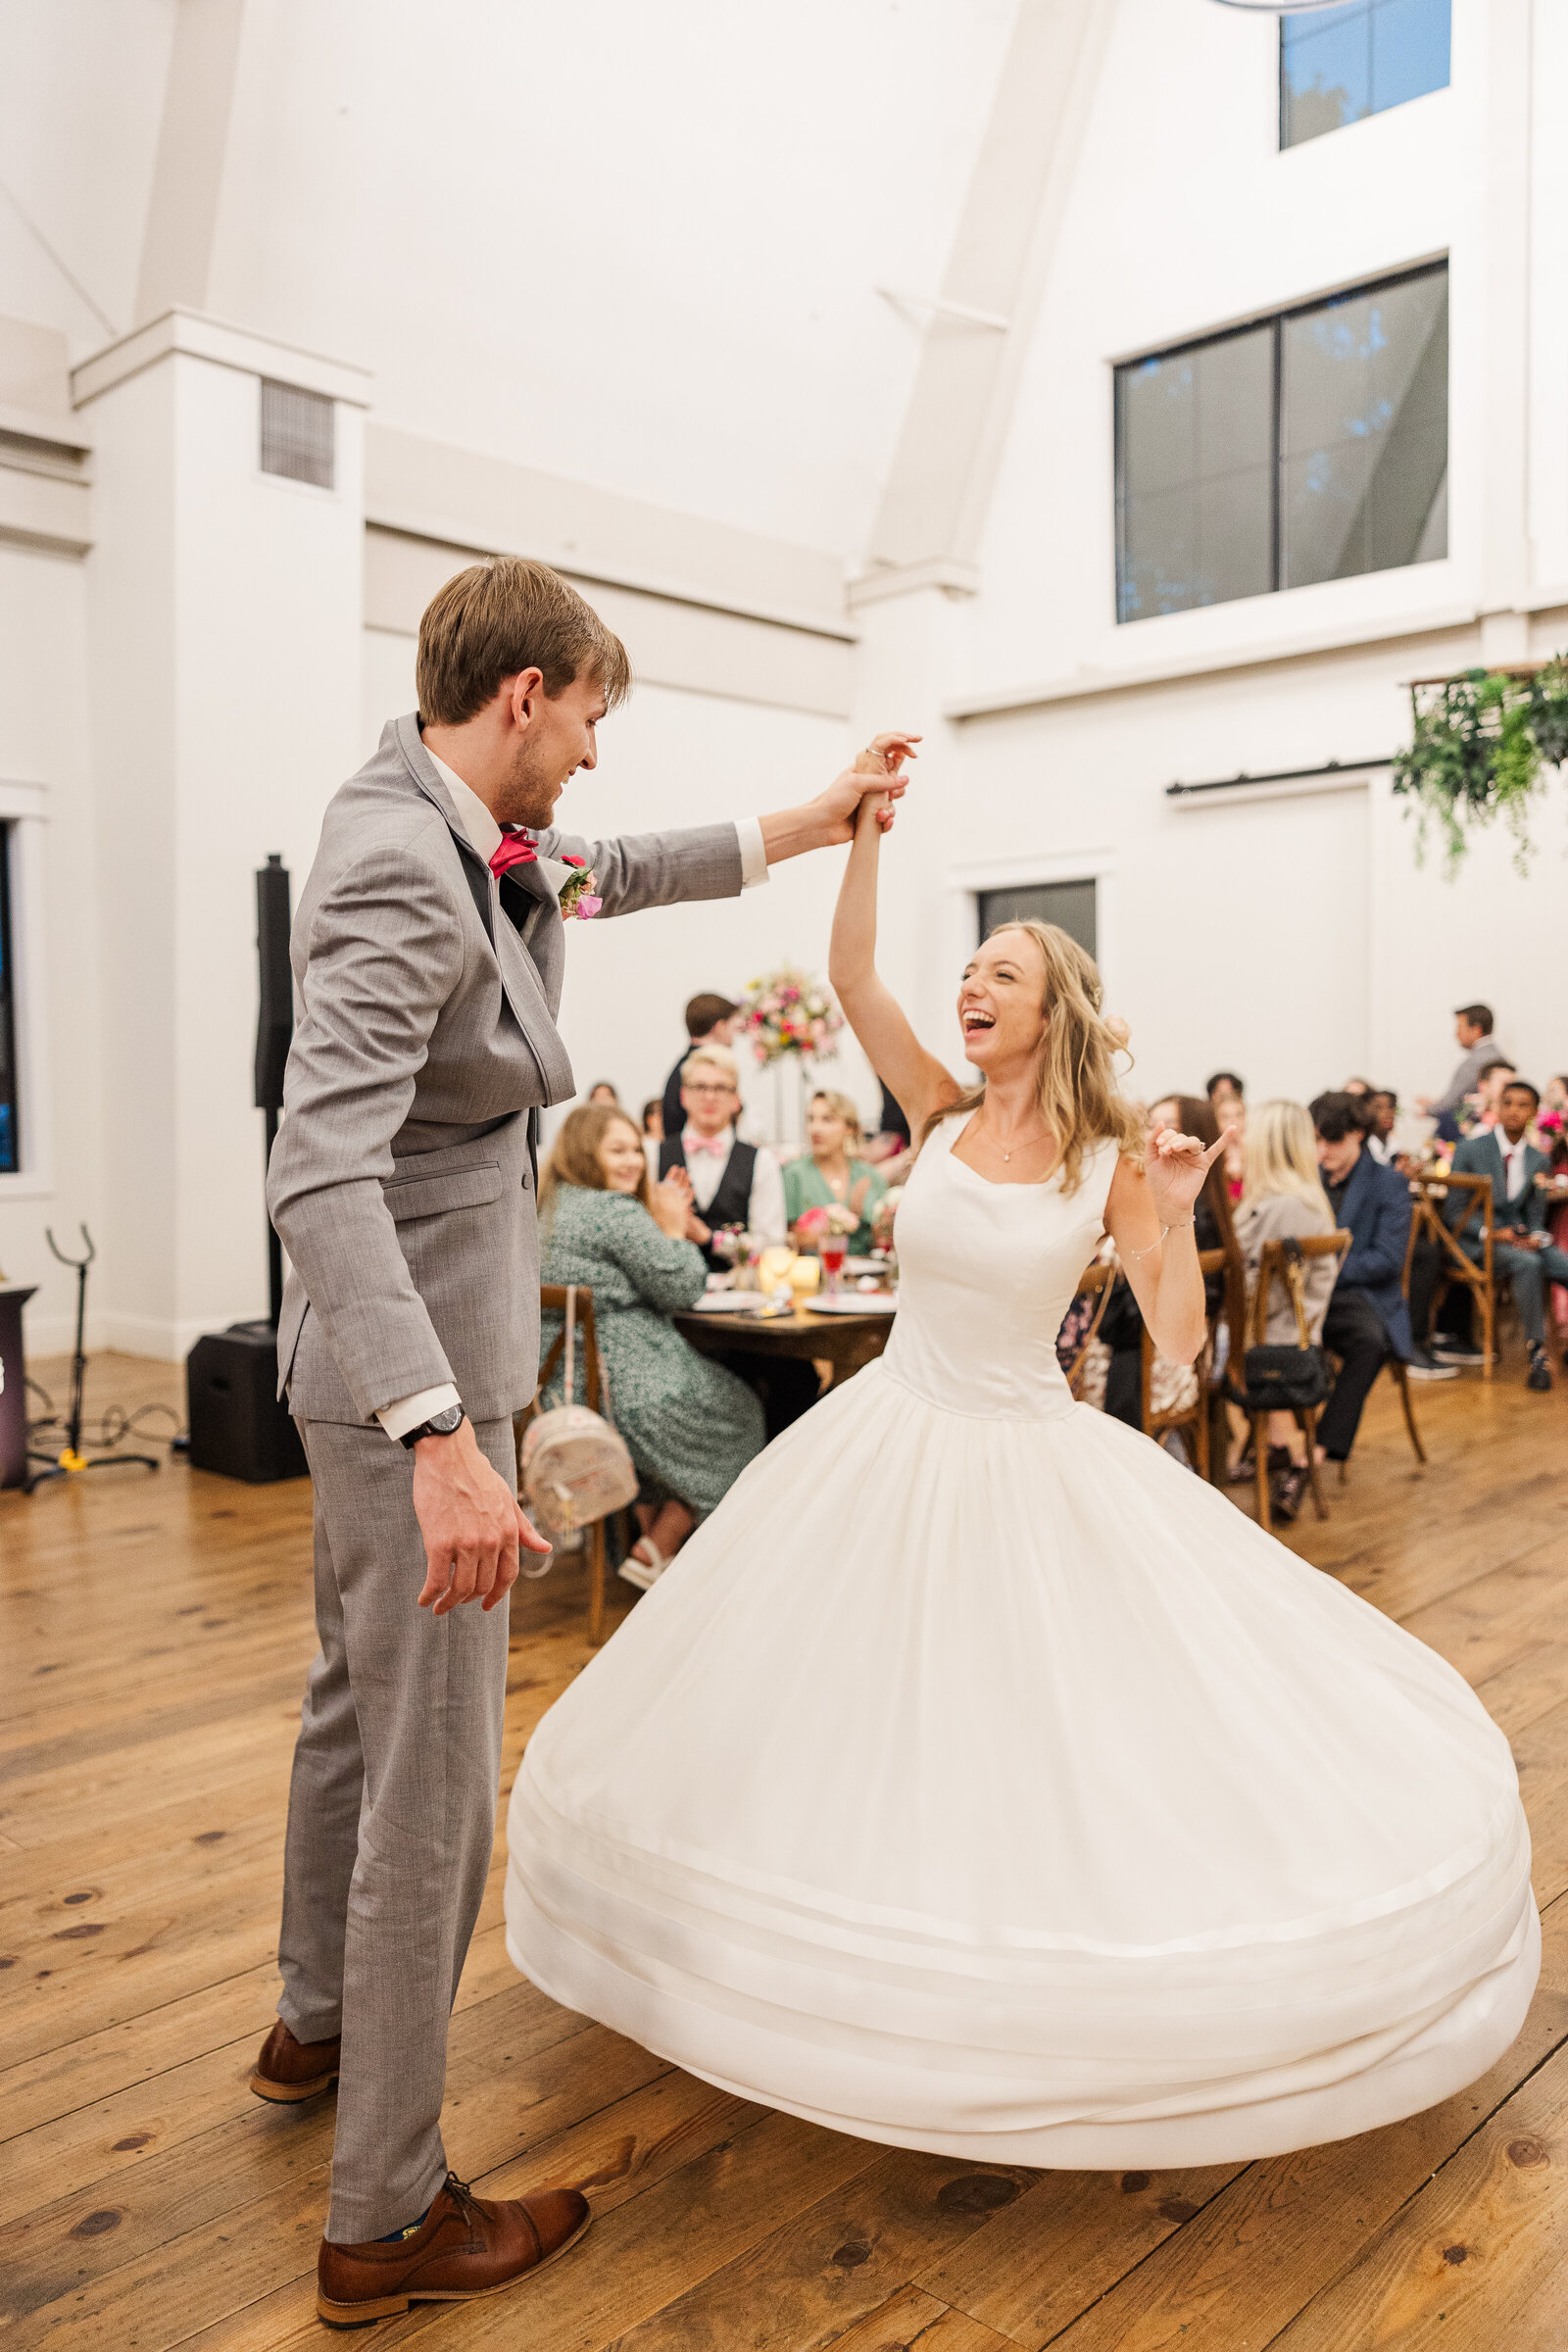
(1175, 1167)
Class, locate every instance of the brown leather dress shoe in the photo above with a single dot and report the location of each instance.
(288, 2070)
(465, 2246)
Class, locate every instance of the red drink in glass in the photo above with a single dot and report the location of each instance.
(832, 1250)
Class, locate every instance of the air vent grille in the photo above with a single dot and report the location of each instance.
(297, 437)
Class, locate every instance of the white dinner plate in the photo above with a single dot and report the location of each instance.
(730, 1303)
(868, 1302)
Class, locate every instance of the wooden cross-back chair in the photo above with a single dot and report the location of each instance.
(1271, 1271)
(1428, 1194)
(553, 1301)
(1194, 1418)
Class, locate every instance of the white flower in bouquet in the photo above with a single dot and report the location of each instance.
(790, 1013)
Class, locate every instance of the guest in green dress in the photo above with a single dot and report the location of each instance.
(831, 1176)
(691, 1426)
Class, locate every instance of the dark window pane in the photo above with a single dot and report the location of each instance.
(1159, 554)
(1070, 906)
(10, 1109)
(1195, 433)
(1158, 424)
(1235, 536)
(1364, 425)
(1325, 71)
(1410, 50)
(1235, 388)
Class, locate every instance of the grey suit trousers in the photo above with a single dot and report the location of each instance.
(391, 1821)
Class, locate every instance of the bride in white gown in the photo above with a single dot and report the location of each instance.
(979, 1780)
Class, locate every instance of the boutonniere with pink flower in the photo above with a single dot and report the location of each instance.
(579, 895)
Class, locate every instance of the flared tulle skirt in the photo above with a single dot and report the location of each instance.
(993, 1787)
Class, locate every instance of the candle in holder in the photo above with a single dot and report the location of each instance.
(773, 1266)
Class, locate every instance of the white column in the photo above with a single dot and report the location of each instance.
(224, 616)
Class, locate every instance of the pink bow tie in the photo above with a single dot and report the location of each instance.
(718, 1145)
(517, 848)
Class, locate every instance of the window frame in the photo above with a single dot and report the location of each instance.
(1288, 146)
(1276, 321)
(23, 813)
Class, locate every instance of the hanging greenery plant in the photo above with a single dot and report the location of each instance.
(1479, 745)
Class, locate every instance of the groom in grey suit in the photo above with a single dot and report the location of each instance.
(428, 955)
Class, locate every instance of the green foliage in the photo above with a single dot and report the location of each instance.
(1479, 745)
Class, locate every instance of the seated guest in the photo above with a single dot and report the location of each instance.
(653, 1133)
(1367, 1320)
(603, 1092)
(1522, 1247)
(1121, 1327)
(1283, 1200)
(710, 1021)
(691, 1427)
(1472, 1028)
(1480, 1113)
(831, 1175)
(1382, 1106)
(730, 1183)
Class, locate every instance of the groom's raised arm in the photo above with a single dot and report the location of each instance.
(717, 861)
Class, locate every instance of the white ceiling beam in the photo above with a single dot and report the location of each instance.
(944, 468)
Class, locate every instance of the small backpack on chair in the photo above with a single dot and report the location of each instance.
(574, 1463)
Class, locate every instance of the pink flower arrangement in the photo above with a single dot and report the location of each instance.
(789, 1013)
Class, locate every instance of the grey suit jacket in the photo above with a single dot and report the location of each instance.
(424, 1003)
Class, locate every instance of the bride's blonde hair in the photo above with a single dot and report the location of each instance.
(1075, 1072)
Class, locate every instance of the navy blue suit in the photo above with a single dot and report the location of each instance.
(1376, 1212)
(1367, 1319)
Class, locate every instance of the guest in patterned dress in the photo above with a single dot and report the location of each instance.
(691, 1426)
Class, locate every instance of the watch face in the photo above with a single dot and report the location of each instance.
(446, 1424)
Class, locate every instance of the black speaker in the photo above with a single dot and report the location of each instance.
(238, 1425)
(275, 1025)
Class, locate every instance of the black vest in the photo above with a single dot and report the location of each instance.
(731, 1204)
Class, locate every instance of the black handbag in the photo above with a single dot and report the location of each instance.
(1286, 1380)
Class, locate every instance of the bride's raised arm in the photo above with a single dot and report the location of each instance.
(916, 1080)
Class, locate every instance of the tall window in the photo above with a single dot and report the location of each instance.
(1338, 65)
(1312, 447)
(10, 1109)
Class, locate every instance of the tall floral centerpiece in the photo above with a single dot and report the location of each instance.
(788, 1018)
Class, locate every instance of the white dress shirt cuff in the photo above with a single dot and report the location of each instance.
(754, 856)
(408, 1411)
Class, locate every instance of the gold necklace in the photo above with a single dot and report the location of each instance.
(1007, 1155)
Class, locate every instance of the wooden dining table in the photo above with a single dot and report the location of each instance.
(846, 1341)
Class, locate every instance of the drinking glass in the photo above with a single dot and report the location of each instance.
(833, 1250)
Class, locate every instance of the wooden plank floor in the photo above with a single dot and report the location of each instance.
(156, 1630)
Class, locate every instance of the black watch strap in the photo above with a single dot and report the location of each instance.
(444, 1424)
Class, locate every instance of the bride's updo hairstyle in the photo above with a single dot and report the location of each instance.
(1075, 1072)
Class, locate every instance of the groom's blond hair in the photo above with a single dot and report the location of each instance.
(497, 619)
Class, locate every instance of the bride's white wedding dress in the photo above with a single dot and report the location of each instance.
(978, 1780)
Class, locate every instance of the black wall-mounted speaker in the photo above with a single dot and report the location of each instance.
(275, 1025)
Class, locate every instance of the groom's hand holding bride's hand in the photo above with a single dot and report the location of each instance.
(831, 818)
(471, 1523)
(1175, 1168)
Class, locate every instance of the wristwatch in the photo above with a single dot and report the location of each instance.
(444, 1424)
